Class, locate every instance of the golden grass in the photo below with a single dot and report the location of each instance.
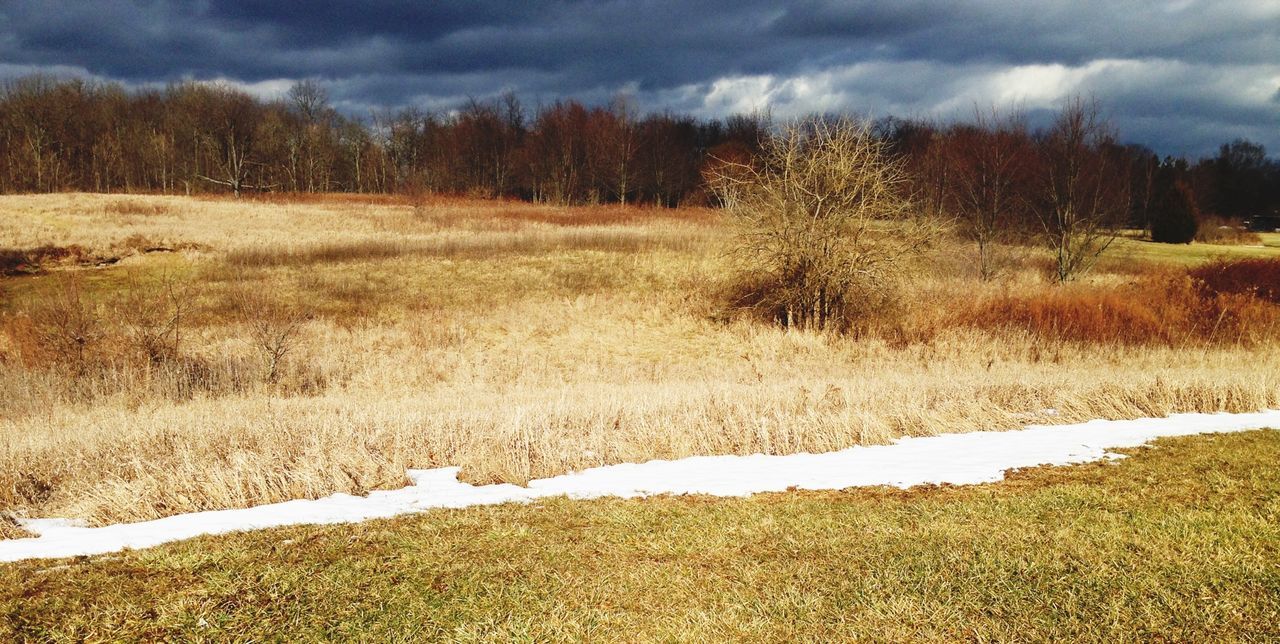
(10, 529)
(513, 345)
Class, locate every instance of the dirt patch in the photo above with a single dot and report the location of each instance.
(30, 261)
(33, 261)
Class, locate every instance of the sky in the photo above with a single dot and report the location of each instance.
(1181, 76)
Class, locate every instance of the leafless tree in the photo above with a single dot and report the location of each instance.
(231, 125)
(826, 225)
(275, 327)
(68, 323)
(620, 141)
(308, 137)
(1083, 192)
(310, 99)
(153, 313)
(990, 164)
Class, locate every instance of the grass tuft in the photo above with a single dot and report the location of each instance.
(11, 529)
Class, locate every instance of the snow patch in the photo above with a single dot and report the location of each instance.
(957, 459)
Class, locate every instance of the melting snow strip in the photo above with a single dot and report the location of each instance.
(958, 459)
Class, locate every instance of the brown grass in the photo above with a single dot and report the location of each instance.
(1226, 232)
(1259, 278)
(344, 199)
(1169, 309)
(607, 215)
(136, 207)
(11, 529)
(617, 240)
(450, 336)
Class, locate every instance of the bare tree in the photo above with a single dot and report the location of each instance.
(153, 313)
(620, 137)
(275, 327)
(68, 323)
(1083, 192)
(307, 135)
(990, 163)
(825, 223)
(310, 99)
(231, 129)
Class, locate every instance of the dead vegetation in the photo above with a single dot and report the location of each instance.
(229, 377)
(1259, 278)
(1168, 308)
(138, 207)
(1226, 232)
(456, 247)
(32, 260)
(826, 228)
(11, 529)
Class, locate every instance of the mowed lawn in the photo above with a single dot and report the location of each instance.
(1180, 542)
(1131, 248)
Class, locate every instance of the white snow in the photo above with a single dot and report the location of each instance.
(959, 459)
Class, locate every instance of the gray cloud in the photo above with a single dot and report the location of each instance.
(1180, 76)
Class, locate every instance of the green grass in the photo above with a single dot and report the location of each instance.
(1129, 247)
(1180, 543)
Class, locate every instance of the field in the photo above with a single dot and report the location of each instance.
(521, 341)
(1132, 247)
(1177, 543)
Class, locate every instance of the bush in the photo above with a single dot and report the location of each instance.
(69, 325)
(1168, 309)
(1227, 232)
(824, 225)
(152, 313)
(1258, 278)
(274, 325)
(1176, 217)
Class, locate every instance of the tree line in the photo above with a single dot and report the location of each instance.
(195, 137)
(200, 137)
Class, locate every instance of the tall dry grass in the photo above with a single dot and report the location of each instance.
(117, 460)
(1226, 232)
(542, 348)
(1259, 278)
(1173, 309)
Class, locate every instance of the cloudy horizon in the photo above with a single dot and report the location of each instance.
(1180, 77)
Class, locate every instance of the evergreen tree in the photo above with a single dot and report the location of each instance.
(1175, 220)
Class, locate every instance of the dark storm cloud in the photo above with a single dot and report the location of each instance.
(915, 56)
(1073, 32)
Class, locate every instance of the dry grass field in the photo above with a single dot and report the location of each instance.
(173, 354)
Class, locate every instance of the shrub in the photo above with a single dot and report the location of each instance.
(275, 327)
(153, 314)
(1227, 232)
(1170, 309)
(68, 325)
(824, 225)
(1176, 217)
(1258, 278)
